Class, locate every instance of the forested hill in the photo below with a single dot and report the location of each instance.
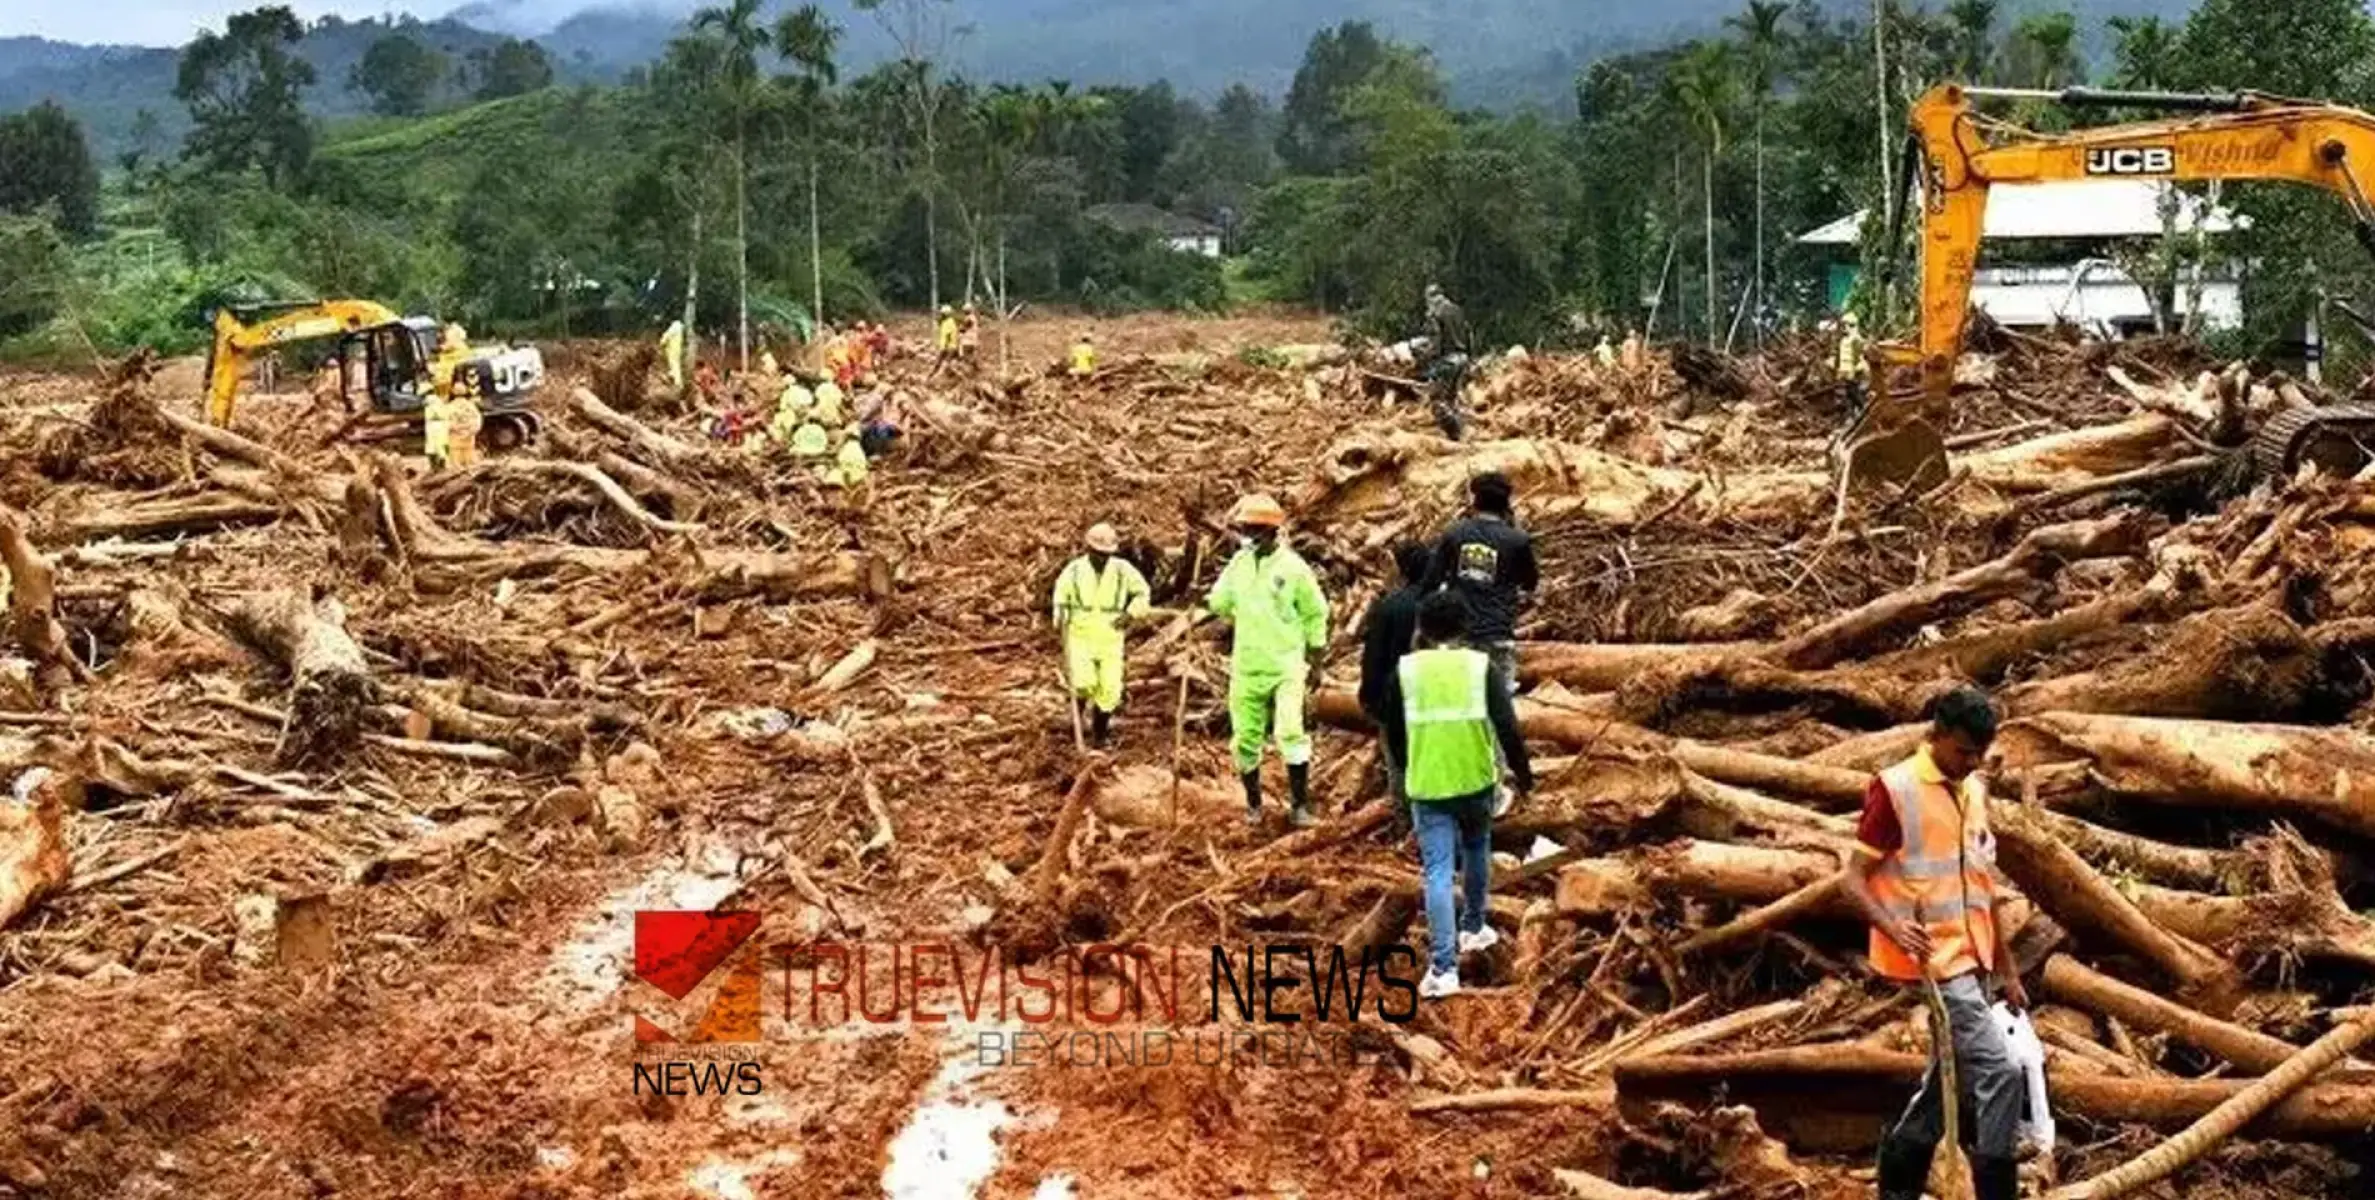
(1501, 54)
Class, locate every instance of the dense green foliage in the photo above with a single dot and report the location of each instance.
(399, 74)
(46, 164)
(743, 172)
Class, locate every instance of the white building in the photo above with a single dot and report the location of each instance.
(1184, 234)
(2092, 293)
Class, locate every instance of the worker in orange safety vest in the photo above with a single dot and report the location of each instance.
(1924, 876)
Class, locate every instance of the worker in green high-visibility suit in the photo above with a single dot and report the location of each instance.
(1268, 593)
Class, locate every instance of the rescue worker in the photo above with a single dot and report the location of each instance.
(1634, 357)
(1280, 620)
(861, 355)
(1447, 366)
(1388, 632)
(463, 419)
(1604, 353)
(792, 408)
(1455, 726)
(848, 469)
(706, 383)
(1084, 356)
(1098, 596)
(840, 361)
(945, 336)
(1924, 878)
(1850, 362)
(969, 334)
(767, 364)
(672, 353)
(437, 429)
(832, 406)
(879, 338)
(1488, 562)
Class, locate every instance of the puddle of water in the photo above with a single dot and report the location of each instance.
(950, 1145)
(731, 1180)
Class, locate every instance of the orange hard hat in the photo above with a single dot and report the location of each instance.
(1258, 510)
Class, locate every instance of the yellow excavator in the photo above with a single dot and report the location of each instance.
(1955, 154)
(395, 362)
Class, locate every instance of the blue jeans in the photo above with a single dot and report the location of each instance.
(1461, 827)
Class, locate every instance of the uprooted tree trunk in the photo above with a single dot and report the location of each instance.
(33, 861)
(1692, 868)
(1604, 667)
(32, 608)
(2223, 664)
(330, 686)
(2270, 770)
(2053, 876)
(2036, 558)
(1834, 1097)
(2072, 982)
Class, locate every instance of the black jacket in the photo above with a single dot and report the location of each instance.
(1489, 562)
(1500, 705)
(1387, 635)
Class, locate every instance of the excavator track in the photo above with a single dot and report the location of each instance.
(2338, 439)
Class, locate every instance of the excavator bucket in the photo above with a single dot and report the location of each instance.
(1911, 456)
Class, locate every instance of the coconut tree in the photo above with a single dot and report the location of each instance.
(1704, 85)
(806, 39)
(737, 27)
(1761, 25)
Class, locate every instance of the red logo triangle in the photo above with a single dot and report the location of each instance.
(676, 950)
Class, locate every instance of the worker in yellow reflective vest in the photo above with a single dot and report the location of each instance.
(463, 419)
(944, 338)
(1849, 363)
(437, 429)
(1098, 595)
(1084, 356)
(672, 354)
(1280, 619)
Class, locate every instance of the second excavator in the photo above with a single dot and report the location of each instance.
(1955, 155)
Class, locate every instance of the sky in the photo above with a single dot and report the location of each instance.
(169, 22)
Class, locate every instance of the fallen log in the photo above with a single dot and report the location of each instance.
(2072, 982)
(593, 477)
(1597, 887)
(539, 742)
(330, 684)
(2274, 770)
(2056, 879)
(33, 861)
(32, 607)
(2231, 1115)
(2225, 664)
(651, 445)
(1856, 698)
(2160, 862)
(2077, 456)
(1836, 1097)
(2035, 559)
(1047, 874)
(1604, 667)
(188, 515)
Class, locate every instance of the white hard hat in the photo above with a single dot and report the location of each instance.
(1102, 538)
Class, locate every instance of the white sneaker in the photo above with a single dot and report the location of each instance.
(1480, 941)
(1439, 984)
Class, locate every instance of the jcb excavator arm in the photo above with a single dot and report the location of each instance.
(2239, 136)
(235, 341)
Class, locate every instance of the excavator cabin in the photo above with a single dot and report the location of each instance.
(1954, 155)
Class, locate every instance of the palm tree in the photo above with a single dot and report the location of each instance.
(1974, 23)
(806, 39)
(1762, 24)
(2143, 53)
(738, 28)
(2045, 50)
(1703, 84)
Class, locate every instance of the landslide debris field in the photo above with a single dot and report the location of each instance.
(355, 777)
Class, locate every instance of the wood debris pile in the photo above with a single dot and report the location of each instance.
(287, 704)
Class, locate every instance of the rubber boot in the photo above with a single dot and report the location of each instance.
(1253, 795)
(1904, 1169)
(1298, 786)
(1995, 1178)
(1100, 727)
